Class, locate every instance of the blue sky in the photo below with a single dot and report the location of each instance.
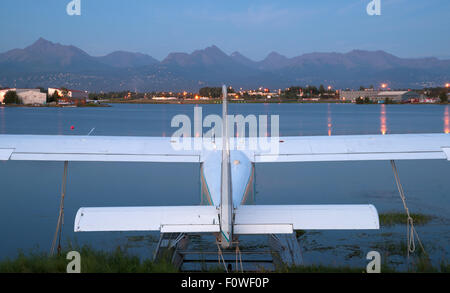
(406, 28)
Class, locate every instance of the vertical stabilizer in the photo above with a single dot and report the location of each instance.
(226, 204)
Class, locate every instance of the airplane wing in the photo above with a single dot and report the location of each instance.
(357, 147)
(93, 148)
(160, 149)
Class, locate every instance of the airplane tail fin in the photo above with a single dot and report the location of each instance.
(226, 201)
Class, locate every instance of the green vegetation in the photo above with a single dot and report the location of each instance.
(321, 89)
(92, 261)
(53, 98)
(11, 97)
(395, 218)
(443, 97)
(320, 269)
(119, 261)
(392, 248)
(299, 233)
(420, 265)
(361, 100)
(388, 101)
(65, 92)
(294, 92)
(213, 92)
(363, 88)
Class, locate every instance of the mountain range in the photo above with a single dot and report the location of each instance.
(49, 64)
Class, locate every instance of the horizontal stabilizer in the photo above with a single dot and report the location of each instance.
(447, 152)
(254, 219)
(182, 219)
(283, 219)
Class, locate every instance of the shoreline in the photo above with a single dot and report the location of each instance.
(107, 104)
(201, 102)
(56, 106)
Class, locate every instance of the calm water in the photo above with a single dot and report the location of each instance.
(30, 191)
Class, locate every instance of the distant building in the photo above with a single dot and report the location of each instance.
(353, 95)
(379, 96)
(398, 96)
(26, 96)
(72, 96)
(429, 100)
(164, 98)
(3, 93)
(264, 93)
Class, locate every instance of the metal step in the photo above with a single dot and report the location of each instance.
(284, 249)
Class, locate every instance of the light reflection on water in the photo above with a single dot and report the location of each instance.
(329, 120)
(60, 121)
(446, 121)
(2, 120)
(383, 127)
(30, 190)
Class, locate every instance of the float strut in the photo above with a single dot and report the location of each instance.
(60, 222)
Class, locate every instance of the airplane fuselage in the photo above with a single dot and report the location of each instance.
(240, 182)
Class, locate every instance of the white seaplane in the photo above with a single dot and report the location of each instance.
(226, 176)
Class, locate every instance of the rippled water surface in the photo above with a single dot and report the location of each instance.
(30, 191)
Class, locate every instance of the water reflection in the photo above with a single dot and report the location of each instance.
(329, 122)
(60, 118)
(446, 121)
(2, 119)
(383, 127)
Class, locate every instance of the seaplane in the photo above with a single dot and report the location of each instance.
(227, 176)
